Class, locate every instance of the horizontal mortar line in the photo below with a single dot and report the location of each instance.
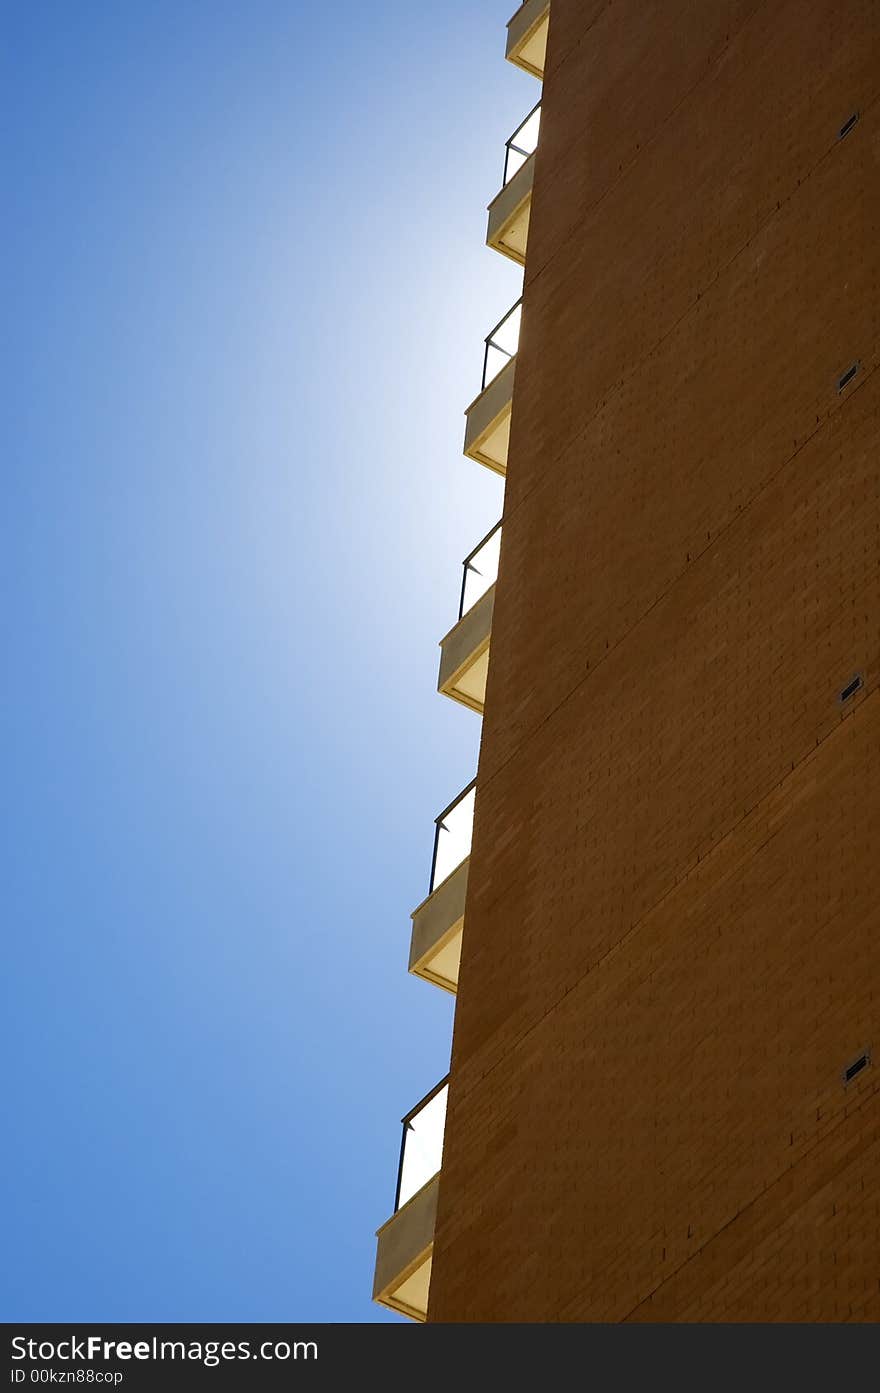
(650, 353)
(546, 478)
(664, 594)
(698, 556)
(843, 1118)
(702, 856)
(694, 867)
(707, 76)
(577, 43)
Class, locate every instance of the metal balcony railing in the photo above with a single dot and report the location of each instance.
(421, 1146)
(522, 144)
(452, 836)
(501, 344)
(480, 570)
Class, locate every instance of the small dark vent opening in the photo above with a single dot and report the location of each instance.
(852, 688)
(848, 125)
(856, 1067)
(847, 377)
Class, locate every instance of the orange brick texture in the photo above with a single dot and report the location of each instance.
(672, 935)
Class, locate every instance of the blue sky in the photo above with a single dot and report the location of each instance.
(246, 286)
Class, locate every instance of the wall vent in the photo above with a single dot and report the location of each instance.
(848, 125)
(854, 1069)
(852, 687)
(847, 377)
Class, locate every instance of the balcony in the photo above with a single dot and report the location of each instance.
(464, 652)
(438, 923)
(487, 419)
(527, 36)
(406, 1242)
(510, 210)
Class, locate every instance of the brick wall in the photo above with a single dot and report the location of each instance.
(672, 934)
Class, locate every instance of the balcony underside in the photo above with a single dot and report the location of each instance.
(464, 655)
(527, 37)
(509, 215)
(403, 1254)
(435, 948)
(487, 427)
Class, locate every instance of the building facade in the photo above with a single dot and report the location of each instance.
(664, 934)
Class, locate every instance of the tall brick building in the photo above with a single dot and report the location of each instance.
(665, 940)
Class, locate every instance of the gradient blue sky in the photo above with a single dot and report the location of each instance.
(246, 286)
